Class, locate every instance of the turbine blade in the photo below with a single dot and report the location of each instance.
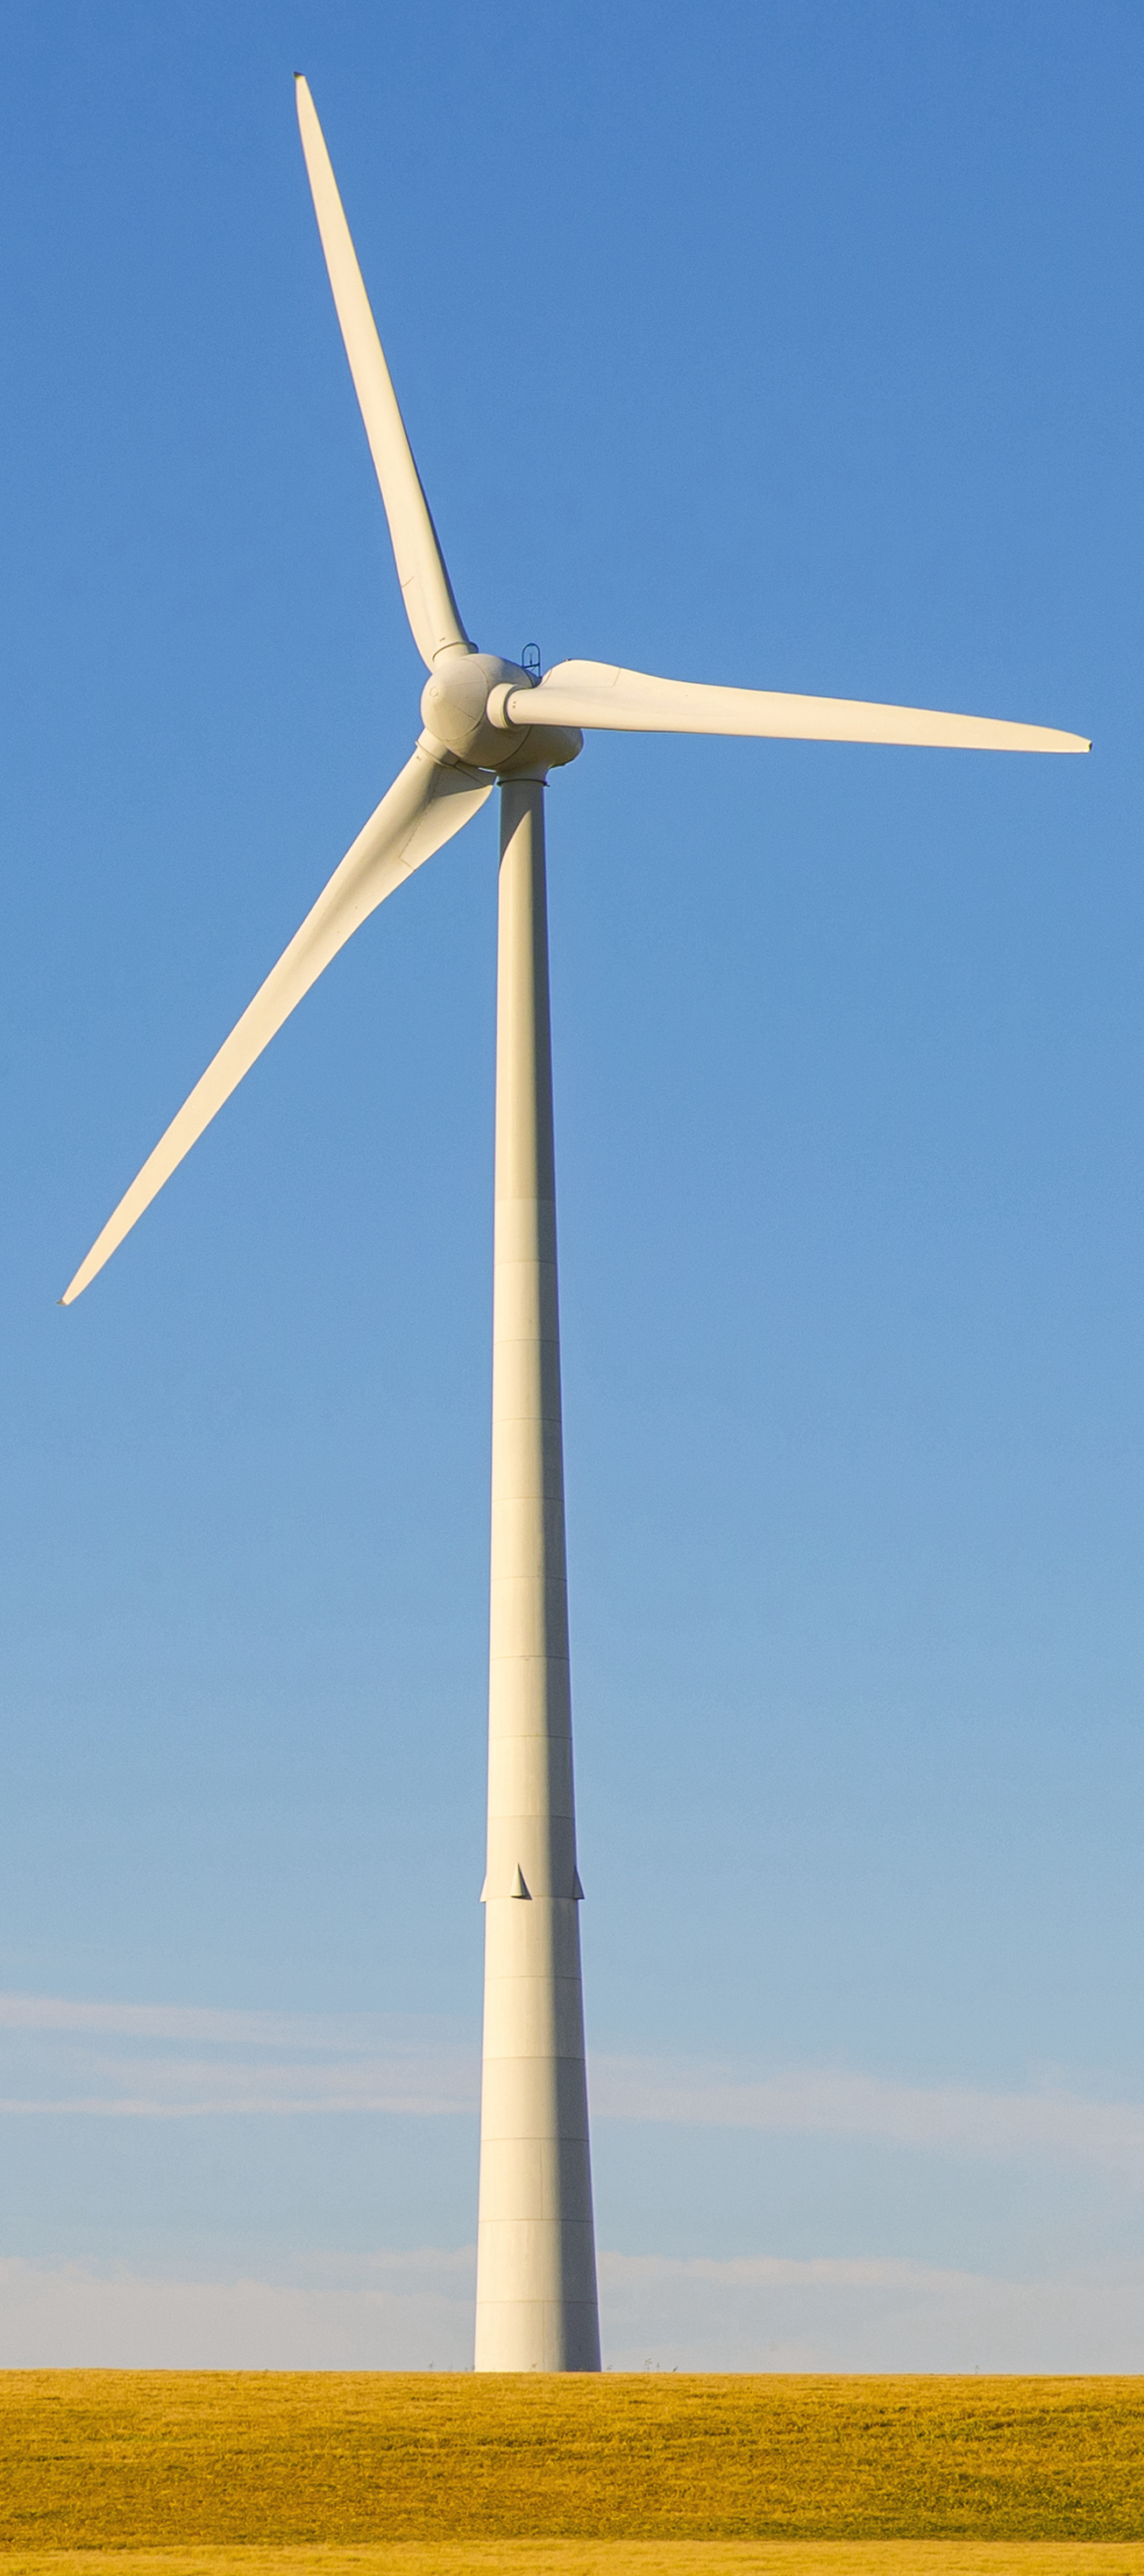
(422, 810)
(598, 695)
(425, 586)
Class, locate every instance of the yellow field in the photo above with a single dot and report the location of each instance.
(332, 2474)
(613, 2558)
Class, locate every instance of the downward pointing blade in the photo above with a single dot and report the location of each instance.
(425, 586)
(601, 696)
(425, 806)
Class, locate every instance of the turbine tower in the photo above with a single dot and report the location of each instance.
(487, 721)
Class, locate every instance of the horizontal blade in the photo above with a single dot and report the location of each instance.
(422, 810)
(600, 696)
(425, 586)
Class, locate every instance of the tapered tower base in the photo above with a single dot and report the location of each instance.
(536, 2300)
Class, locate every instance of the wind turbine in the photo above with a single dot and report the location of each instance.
(488, 721)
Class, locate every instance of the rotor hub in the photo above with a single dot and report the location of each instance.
(463, 707)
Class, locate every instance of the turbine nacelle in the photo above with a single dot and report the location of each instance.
(464, 708)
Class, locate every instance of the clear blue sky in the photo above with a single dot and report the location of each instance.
(796, 346)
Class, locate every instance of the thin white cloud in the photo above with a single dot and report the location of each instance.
(204, 2023)
(762, 2313)
(189, 2062)
(244, 2102)
(780, 2271)
(957, 2119)
(403, 2311)
(413, 2310)
(445, 2082)
(163, 2062)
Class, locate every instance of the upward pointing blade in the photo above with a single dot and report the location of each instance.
(423, 809)
(601, 695)
(425, 586)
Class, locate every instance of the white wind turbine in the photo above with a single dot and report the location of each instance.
(487, 721)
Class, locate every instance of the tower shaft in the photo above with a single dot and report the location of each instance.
(536, 2263)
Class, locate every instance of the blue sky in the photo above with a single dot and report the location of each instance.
(793, 346)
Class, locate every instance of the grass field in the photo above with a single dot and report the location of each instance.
(613, 2558)
(292, 2473)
